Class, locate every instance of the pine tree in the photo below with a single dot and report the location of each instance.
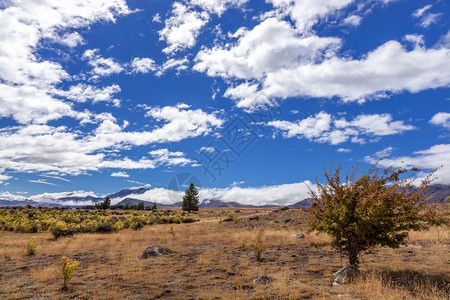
(190, 199)
(107, 203)
(126, 206)
(154, 207)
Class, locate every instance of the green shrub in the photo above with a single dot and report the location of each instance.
(59, 230)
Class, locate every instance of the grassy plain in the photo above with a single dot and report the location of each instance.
(213, 259)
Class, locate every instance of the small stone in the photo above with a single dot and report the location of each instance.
(284, 221)
(299, 236)
(262, 279)
(154, 251)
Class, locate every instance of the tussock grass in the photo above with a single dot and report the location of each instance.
(209, 263)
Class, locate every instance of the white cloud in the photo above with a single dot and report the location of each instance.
(276, 60)
(156, 18)
(71, 40)
(27, 80)
(344, 150)
(3, 178)
(285, 194)
(57, 198)
(42, 181)
(11, 197)
(421, 11)
(207, 149)
(101, 66)
(428, 160)
(307, 13)
(383, 153)
(120, 174)
(172, 64)
(444, 41)
(430, 19)
(84, 92)
(441, 119)
(182, 28)
(143, 65)
(43, 148)
(217, 7)
(165, 157)
(425, 17)
(416, 39)
(352, 20)
(323, 128)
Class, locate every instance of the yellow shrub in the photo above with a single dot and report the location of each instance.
(32, 246)
(68, 267)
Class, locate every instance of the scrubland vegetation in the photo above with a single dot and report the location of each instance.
(67, 222)
(214, 259)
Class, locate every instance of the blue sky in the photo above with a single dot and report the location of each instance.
(250, 97)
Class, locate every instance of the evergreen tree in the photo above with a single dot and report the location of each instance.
(154, 207)
(127, 206)
(190, 199)
(107, 203)
(140, 206)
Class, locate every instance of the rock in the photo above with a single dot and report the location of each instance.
(299, 236)
(254, 218)
(154, 251)
(228, 220)
(262, 279)
(345, 275)
(284, 221)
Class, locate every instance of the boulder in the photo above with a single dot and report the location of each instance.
(154, 251)
(299, 236)
(254, 218)
(262, 279)
(345, 275)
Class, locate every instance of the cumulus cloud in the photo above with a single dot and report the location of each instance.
(172, 64)
(101, 66)
(441, 119)
(143, 65)
(278, 60)
(44, 148)
(352, 20)
(182, 28)
(324, 128)
(84, 92)
(307, 13)
(27, 80)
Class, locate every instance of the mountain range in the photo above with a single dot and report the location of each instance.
(438, 194)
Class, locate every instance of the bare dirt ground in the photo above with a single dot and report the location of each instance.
(212, 259)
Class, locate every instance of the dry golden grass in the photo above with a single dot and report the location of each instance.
(212, 260)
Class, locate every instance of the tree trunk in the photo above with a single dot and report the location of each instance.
(353, 259)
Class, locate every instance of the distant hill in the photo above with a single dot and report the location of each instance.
(133, 201)
(127, 192)
(438, 194)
